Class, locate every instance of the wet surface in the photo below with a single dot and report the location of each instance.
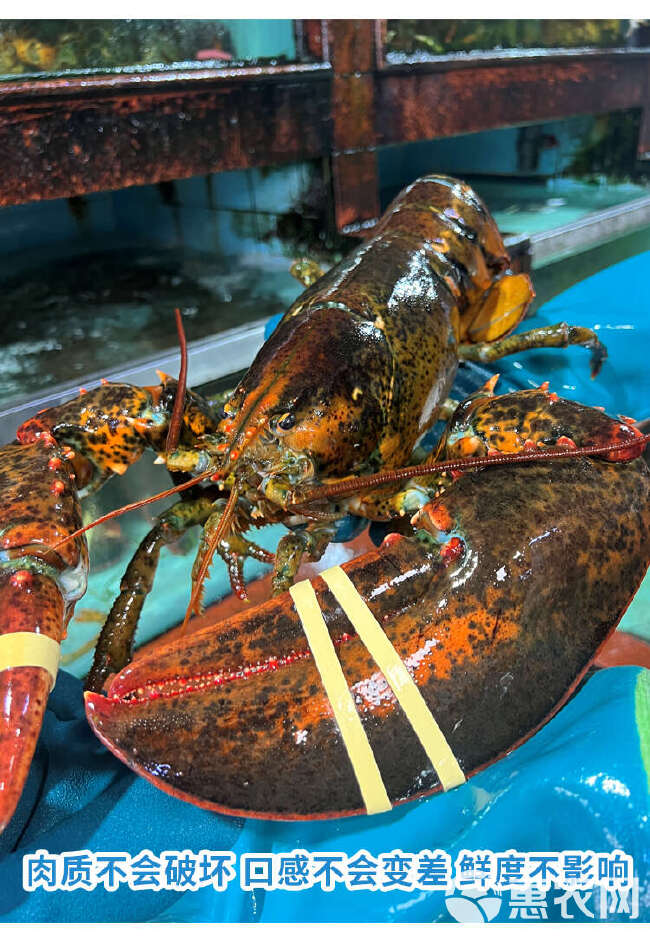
(530, 206)
(105, 310)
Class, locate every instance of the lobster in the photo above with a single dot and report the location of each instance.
(359, 368)
(513, 578)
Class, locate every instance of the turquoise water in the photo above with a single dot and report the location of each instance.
(531, 207)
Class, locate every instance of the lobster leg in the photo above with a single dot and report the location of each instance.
(548, 336)
(233, 549)
(115, 645)
(312, 541)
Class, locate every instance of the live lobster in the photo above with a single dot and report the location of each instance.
(359, 368)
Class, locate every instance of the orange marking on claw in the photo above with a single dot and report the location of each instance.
(82, 390)
(22, 578)
(468, 445)
(566, 441)
(553, 397)
(54, 464)
(57, 488)
(544, 386)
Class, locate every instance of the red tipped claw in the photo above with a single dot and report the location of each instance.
(24, 690)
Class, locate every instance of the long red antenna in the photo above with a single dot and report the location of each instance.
(136, 504)
(352, 485)
(174, 432)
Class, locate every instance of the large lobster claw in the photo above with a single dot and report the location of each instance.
(496, 607)
(38, 588)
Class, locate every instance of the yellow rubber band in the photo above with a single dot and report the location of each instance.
(373, 791)
(25, 648)
(398, 677)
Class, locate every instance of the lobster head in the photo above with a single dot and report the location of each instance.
(305, 409)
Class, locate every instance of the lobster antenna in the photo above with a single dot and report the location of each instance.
(353, 485)
(213, 542)
(136, 504)
(174, 432)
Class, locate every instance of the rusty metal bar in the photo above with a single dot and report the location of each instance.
(66, 137)
(62, 136)
(139, 79)
(354, 163)
(421, 102)
(453, 61)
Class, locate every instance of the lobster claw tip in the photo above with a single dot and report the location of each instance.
(101, 713)
(23, 694)
(97, 707)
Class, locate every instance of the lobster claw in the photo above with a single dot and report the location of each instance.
(495, 607)
(24, 690)
(38, 588)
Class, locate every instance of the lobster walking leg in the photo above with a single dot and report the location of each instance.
(547, 336)
(115, 645)
(312, 541)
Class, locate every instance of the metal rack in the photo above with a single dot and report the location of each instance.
(63, 136)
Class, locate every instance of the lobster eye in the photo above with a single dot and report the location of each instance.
(286, 422)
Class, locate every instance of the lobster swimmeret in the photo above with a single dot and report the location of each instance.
(357, 370)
